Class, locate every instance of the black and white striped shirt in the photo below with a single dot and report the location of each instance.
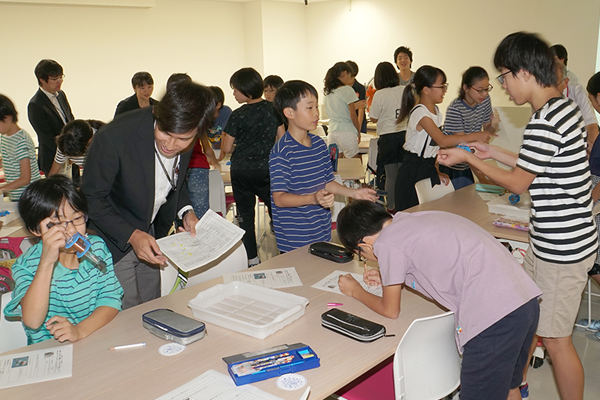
(554, 149)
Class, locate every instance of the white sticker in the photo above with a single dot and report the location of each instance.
(170, 349)
(291, 382)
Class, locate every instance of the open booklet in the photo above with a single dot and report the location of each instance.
(214, 237)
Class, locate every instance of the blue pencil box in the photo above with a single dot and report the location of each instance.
(269, 363)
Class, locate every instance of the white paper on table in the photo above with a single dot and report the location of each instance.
(330, 283)
(488, 196)
(214, 237)
(216, 386)
(271, 278)
(36, 366)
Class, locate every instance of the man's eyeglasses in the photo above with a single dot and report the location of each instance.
(501, 77)
(444, 87)
(56, 78)
(482, 91)
(82, 219)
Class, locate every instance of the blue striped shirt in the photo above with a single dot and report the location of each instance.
(300, 170)
(74, 293)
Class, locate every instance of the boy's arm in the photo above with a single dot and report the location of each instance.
(353, 117)
(63, 330)
(226, 144)
(23, 179)
(388, 305)
(451, 140)
(55, 168)
(285, 199)
(208, 151)
(361, 194)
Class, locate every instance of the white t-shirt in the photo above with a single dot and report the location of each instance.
(336, 103)
(386, 109)
(417, 140)
(579, 95)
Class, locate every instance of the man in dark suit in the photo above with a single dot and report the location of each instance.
(134, 182)
(49, 111)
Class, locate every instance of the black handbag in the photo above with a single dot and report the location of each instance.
(351, 325)
(331, 251)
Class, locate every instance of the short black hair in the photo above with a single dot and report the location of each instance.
(359, 219)
(528, 52)
(139, 78)
(291, 93)
(7, 109)
(385, 76)
(248, 82)
(219, 95)
(593, 85)
(47, 69)
(74, 137)
(185, 107)
(353, 66)
(43, 199)
(331, 80)
(405, 50)
(274, 81)
(560, 51)
(177, 78)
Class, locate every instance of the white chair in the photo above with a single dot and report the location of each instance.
(372, 159)
(216, 192)
(427, 363)
(12, 334)
(427, 193)
(232, 261)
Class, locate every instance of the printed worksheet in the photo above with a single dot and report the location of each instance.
(330, 283)
(271, 278)
(214, 237)
(36, 366)
(216, 386)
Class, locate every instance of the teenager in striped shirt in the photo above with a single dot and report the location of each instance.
(552, 164)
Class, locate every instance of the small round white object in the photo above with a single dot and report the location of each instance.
(291, 382)
(171, 349)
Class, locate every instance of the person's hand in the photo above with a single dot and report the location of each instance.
(365, 194)
(146, 248)
(52, 240)
(189, 223)
(372, 277)
(451, 156)
(348, 285)
(360, 104)
(62, 329)
(214, 162)
(482, 150)
(359, 137)
(444, 178)
(324, 198)
(495, 120)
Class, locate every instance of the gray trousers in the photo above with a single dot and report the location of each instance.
(140, 280)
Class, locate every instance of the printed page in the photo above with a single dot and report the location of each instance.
(272, 278)
(216, 386)
(214, 237)
(330, 283)
(36, 366)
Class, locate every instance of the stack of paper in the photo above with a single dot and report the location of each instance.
(519, 211)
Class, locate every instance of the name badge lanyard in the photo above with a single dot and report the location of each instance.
(175, 171)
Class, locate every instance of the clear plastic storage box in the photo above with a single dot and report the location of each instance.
(248, 309)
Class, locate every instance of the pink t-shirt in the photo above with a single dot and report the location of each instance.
(456, 263)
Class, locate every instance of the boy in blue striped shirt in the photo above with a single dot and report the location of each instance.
(302, 185)
(57, 294)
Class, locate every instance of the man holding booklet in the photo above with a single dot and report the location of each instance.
(134, 184)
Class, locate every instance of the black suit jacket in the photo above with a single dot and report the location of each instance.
(118, 182)
(131, 103)
(47, 125)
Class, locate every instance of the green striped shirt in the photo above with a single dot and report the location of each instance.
(15, 148)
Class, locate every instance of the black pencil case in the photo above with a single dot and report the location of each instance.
(352, 326)
(330, 251)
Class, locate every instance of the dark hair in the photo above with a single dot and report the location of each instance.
(353, 66)
(526, 51)
(385, 76)
(560, 51)
(74, 137)
(185, 107)
(7, 108)
(139, 78)
(424, 77)
(248, 82)
(331, 78)
(176, 78)
(470, 76)
(405, 50)
(219, 95)
(593, 85)
(47, 69)
(359, 219)
(272, 80)
(44, 197)
(291, 93)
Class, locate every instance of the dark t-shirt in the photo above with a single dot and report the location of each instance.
(254, 127)
(361, 92)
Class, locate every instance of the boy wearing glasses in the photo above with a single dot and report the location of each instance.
(57, 294)
(552, 164)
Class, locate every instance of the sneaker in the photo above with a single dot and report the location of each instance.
(253, 262)
(594, 324)
(524, 391)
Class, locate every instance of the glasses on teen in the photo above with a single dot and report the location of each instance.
(444, 87)
(56, 78)
(82, 219)
(501, 77)
(482, 91)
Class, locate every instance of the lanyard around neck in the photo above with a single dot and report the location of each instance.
(173, 178)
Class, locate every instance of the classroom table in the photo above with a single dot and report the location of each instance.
(467, 203)
(142, 373)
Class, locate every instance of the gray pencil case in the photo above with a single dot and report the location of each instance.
(169, 325)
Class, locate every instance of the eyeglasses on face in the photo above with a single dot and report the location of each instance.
(82, 219)
(444, 87)
(501, 78)
(482, 91)
(56, 78)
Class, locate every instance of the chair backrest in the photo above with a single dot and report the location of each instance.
(216, 192)
(427, 193)
(372, 163)
(427, 363)
(12, 334)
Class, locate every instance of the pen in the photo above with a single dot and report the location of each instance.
(128, 346)
(334, 304)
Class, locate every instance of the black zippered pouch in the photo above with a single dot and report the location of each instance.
(351, 325)
(331, 251)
